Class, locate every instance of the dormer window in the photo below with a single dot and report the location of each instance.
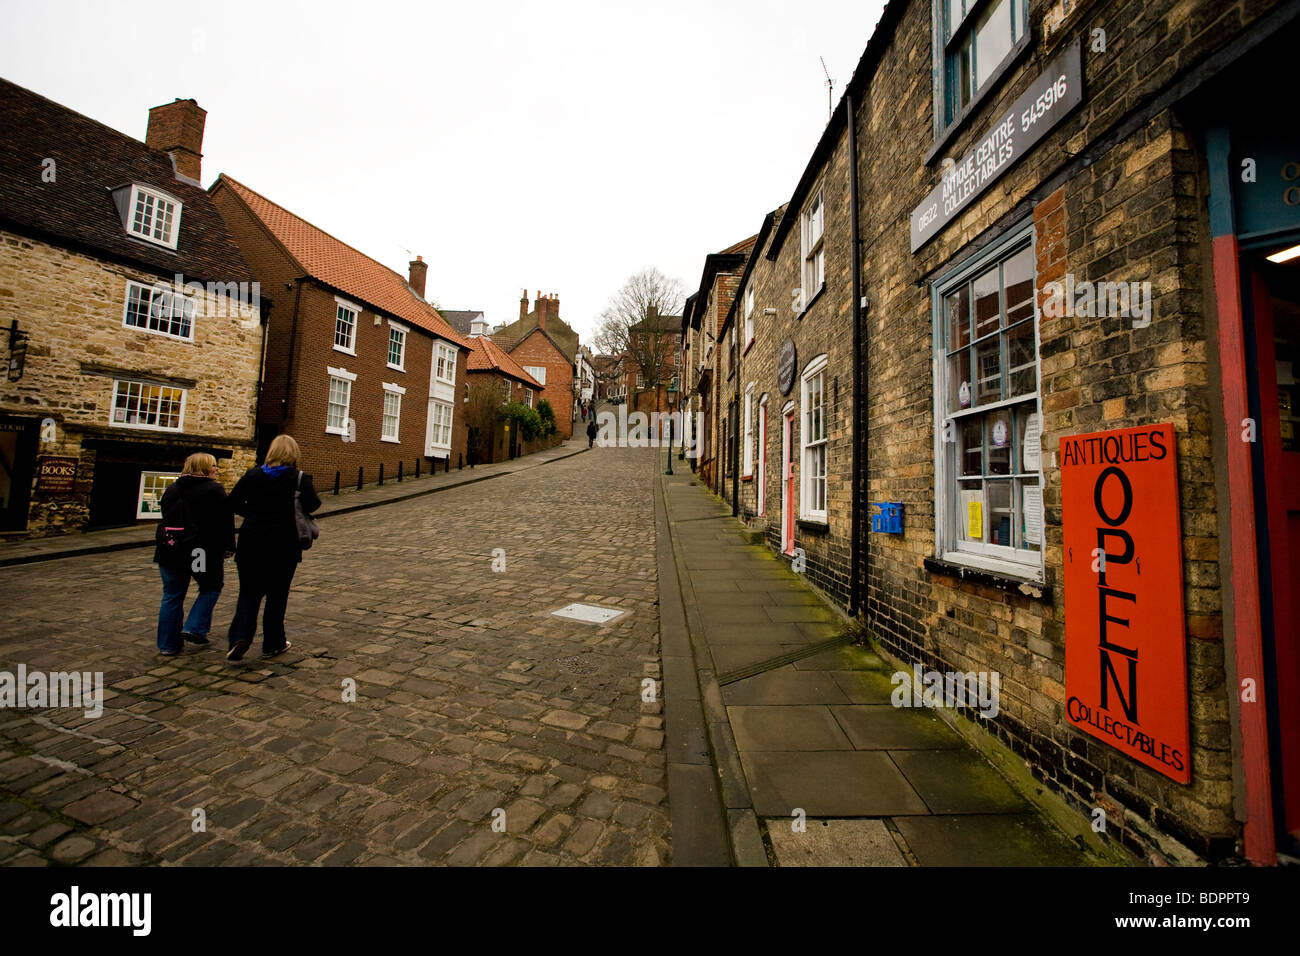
(153, 216)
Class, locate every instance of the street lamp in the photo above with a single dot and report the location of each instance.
(672, 401)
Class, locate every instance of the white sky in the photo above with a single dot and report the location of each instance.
(556, 145)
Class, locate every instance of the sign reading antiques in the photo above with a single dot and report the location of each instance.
(1125, 649)
(787, 365)
(1051, 97)
(56, 475)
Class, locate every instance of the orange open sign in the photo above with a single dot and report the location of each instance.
(1125, 636)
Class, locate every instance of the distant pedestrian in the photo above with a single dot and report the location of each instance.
(269, 550)
(194, 537)
(591, 432)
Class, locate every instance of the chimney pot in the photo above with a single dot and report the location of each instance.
(177, 128)
(419, 269)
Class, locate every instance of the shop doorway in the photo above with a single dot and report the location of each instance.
(18, 444)
(1271, 295)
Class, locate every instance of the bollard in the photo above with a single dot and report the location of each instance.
(337, 476)
(381, 473)
(417, 468)
(460, 461)
(447, 470)
(359, 471)
(399, 472)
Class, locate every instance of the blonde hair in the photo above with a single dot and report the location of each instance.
(283, 451)
(199, 463)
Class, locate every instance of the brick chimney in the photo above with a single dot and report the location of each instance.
(543, 310)
(419, 269)
(523, 305)
(177, 128)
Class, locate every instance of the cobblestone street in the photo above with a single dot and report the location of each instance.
(470, 696)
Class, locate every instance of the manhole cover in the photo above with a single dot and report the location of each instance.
(589, 613)
(576, 665)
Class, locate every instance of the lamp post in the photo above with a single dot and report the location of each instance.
(672, 401)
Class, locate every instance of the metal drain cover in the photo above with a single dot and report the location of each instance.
(576, 665)
(589, 613)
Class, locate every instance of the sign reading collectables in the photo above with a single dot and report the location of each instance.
(1057, 91)
(787, 365)
(1125, 646)
(56, 475)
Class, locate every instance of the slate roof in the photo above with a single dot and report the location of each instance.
(486, 356)
(460, 321)
(338, 265)
(77, 211)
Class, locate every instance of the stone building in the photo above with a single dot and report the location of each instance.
(132, 327)
(360, 369)
(1072, 253)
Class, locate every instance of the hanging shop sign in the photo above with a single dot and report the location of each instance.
(1125, 648)
(56, 475)
(787, 366)
(1048, 101)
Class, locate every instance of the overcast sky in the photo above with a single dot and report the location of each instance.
(560, 146)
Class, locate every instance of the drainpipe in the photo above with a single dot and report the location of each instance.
(289, 366)
(859, 443)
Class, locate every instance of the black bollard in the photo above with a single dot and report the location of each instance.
(399, 472)
(359, 471)
(417, 468)
(460, 461)
(337, 476)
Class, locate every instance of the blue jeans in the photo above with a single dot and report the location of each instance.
(176, 582)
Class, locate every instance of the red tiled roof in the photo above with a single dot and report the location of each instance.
(486, 356)
(339, 265)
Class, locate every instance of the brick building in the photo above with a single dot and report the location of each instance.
(655, 354)
(1068, 330)
(131, 326)
(545, 345)
(492, 378)
(360, 369)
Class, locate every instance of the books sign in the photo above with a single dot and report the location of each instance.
(56, 475)
(1125, 650)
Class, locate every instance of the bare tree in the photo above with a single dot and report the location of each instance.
(634, 323)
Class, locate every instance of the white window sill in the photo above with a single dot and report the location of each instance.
(335, 431)
(164, 335)
(146, 428)
(819, 518)
(395, 441)
(980, 562)
(352, 351)
(397, 368)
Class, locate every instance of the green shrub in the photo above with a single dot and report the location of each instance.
(525, 419)
(547, 415)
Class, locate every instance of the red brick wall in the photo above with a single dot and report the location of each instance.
(537, 349)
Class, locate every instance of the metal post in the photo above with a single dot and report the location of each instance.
(360, 472)
(670, 444)
(337, 476)
(381, 473)
(399, 470)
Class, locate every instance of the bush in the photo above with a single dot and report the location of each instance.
(526, 420)
(547, 415)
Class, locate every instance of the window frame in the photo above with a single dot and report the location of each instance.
(444, 358)
(749, 316)
(533, 370)
(397, 329)
(761, 494)
(747, 453)
(949, 40)
(342, 305)
(435, 425)
(391, 390)
(140, 513)
(814, 369)
(342, 375)
(159, 289)
(1004, 560)
(112, 408)
(158, 196)
(812, 251)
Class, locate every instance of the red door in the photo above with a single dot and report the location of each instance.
(787, 486)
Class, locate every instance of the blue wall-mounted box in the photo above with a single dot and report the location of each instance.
(890, 518)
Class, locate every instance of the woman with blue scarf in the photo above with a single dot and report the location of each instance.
(268, 552)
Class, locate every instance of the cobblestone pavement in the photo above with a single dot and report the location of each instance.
(470, 696)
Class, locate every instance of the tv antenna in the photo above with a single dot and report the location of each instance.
(830, 90)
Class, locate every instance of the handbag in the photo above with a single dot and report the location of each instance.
(308, 530)
(177, 535)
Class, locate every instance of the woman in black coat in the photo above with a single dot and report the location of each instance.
(194, 537)
(268, 552)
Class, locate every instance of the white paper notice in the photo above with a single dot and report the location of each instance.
(1032, 509)
(1032, 454)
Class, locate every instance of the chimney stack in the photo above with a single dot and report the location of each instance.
(543, 307)
(419, 269)
(523, 305)
(177, 128)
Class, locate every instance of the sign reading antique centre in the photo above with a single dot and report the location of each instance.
(1125, 648)
(1057, 91)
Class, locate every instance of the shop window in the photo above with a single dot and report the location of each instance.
(161, 310)
(144, 405)
(813, 441)
(988, 460)
(152, 486)
(978, 39)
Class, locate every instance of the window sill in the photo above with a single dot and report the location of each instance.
(397, 368)
(393, 441)
(746, 477)
(994, 83)
(814, 525)
(341, 432)
(811, 302)
(1001, 580)
(747, 348)
(352, 352)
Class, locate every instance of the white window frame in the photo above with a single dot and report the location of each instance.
(348, 378)
(1006, 560)
(138, 195)
(396, 329)
(435, 426)
(813, 247)
(140, 511)
(816, 368)
(538, 372)
(343, 305)
(761, 495)
(509, 383)
(528, 396)
(394, 391)
(445, 364)
(152, 294)
(747, 455)
(749, 315)
(118, 383)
